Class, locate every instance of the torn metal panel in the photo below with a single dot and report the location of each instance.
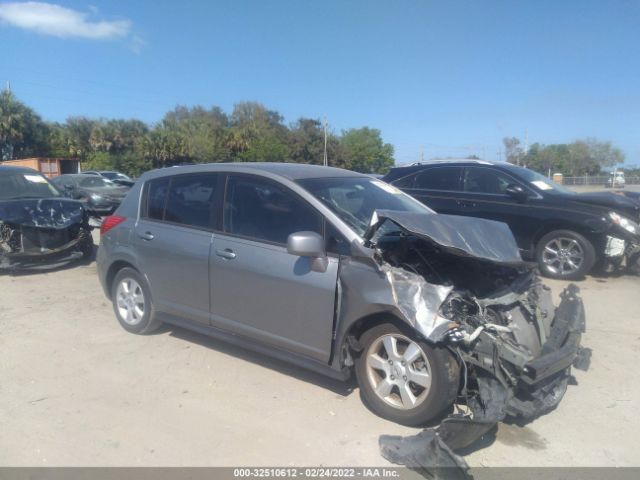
(418, 300)
(464, 236)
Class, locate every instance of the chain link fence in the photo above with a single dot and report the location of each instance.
(596, 180)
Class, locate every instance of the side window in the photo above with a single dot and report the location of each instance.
(405, 182)
(191, 200)
(439, 178)
(263, 210)
(157, 191)
(485, 180)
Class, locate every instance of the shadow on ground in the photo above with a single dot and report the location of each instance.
(341, 388)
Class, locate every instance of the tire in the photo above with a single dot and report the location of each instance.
(86, 246)
(574, 255)
(431, 402)
(634, 264)
(131, 299)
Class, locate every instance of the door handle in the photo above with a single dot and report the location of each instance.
(226, 253)
(146, 236)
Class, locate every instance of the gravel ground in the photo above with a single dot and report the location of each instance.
(77, 390)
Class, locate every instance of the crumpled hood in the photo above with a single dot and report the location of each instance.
(610, 200)
(42, 212)
(464, 236)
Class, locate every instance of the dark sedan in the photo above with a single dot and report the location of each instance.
(38, 226)
(565, 232)
(100, 195)
(116, 177)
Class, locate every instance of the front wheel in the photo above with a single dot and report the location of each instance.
(404, 379)
(565, 255)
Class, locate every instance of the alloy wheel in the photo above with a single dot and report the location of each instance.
(398, 371)
(563, 255)
(130, 301)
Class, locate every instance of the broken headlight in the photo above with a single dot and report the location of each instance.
(629, 225)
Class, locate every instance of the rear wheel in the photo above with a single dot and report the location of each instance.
(132, 304)
(565, 254)
(404, 379)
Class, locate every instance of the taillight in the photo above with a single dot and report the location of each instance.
(109, 222)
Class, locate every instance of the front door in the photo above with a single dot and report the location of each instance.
(258, 289)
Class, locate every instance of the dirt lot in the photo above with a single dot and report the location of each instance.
(76, 389)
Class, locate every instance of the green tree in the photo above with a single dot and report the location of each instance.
(257, 134)
(365, 151)
(582, 157)
(22, 131)
(306, 143)
(513, 151)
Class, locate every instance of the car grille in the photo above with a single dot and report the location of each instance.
(43, 239)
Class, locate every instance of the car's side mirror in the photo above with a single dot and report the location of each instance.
(517, 192)
(311, 245)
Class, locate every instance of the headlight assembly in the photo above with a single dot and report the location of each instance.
(629, 225)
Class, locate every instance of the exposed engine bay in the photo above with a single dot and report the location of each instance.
(36, 232)
(515, 349)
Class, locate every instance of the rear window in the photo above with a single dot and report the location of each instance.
(439, 178)
(190, 200)
(185, 200)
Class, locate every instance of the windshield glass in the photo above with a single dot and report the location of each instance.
(541, 182)
(355, 199)
(25, 185)
(96, 182)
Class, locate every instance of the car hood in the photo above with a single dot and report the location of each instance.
(465, 236)
(610, 200)
(42, 212)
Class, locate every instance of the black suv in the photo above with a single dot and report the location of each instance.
(565, 232)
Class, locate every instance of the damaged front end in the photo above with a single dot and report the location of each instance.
(43, 233)
(460, 282)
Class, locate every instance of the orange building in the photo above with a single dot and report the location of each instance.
(49, 167)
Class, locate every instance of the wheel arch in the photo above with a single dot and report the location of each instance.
(113, 270)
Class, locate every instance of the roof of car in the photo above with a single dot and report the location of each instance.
(11, 168)
(292, 171)
(448, 160)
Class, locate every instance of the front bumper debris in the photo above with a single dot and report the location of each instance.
(538, 389)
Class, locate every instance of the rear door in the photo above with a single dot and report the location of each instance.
(258, 289)
(438, 187)
(173, 238)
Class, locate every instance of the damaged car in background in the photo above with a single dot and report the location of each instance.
(339, 272)
(39, 228)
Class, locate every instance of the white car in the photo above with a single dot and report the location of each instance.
(616, 180)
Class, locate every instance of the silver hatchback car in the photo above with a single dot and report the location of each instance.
(337, 272)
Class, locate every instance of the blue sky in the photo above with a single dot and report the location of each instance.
(446, 78)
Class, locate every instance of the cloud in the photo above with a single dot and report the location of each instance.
(51, 19)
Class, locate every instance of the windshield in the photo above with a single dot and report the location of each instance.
(25, 185)
(541, 182)
(96, 182)
(355, 199)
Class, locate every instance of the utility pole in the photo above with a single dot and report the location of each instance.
(325, 159)
(421, 153)
(526, 141)
(8, 86)
(499, 155)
